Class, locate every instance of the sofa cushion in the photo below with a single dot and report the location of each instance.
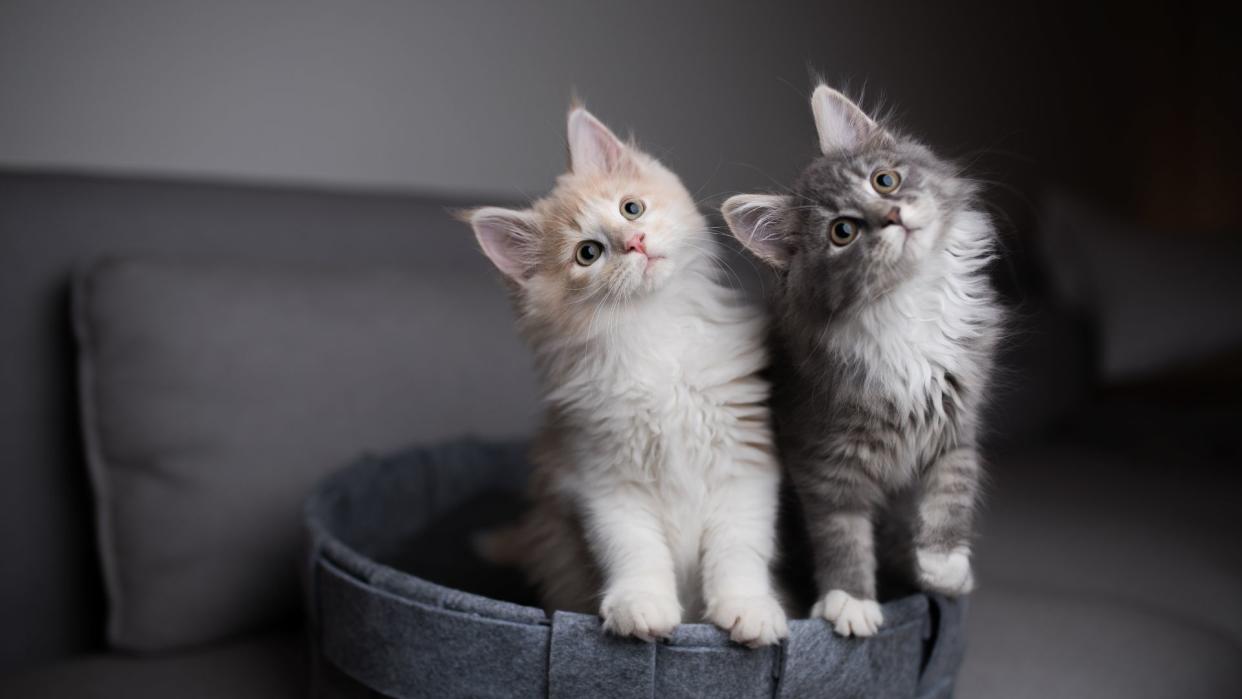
(1031, 642)
(1108, 566)
(268, 666)
(215, 394)
(1158, 298)
(1152, 532)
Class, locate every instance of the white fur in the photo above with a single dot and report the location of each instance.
(505, 236)
(911, 336)
(658, 438)
(593, 147)
(674, 468)
(912, 332)
(751, 621)
(753, 220)
(840, 124)
(639, 612)
(947, 572)
(848, 615)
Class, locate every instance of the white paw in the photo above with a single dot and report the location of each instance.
(639, 613)
(751, 621)
(946, 572)
(849, 616)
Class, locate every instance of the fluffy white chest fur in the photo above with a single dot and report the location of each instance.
(665, 424)
(924, 331)
(654, 470)
(928, 337)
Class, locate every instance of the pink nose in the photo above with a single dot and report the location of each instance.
(637, 242)
(893, 216)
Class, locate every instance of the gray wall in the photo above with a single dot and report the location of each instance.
(468, 96)
(463, 96)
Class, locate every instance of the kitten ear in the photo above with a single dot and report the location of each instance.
(840, 123)
(507, 237)
(757, 221)
(593, 148)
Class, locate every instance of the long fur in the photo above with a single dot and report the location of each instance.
(884, 361)
(654, 496)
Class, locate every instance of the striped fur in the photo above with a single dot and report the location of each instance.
(884, 356)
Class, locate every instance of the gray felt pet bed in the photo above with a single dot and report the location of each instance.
(400, 605)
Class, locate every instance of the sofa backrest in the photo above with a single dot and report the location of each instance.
(51, 591)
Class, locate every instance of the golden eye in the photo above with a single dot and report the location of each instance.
(632, 208)
(587, 252)
(885, 181)
(843, 231)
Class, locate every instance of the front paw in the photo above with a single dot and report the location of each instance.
(849, 616)
(946, 572)
(751, 621)
(639, 613)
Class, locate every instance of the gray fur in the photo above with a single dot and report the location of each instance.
(877, 442)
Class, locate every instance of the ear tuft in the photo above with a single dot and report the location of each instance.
(593, 148)
(840, 123)
(756, 220)
(508, 238)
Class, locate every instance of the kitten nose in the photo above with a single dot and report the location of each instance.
(893, 216)
(638, 242)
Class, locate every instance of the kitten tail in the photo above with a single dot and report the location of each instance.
(502, 546)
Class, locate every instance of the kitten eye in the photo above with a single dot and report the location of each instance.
(843, 231)
(886, 181)
(632, 208)
(587, 252)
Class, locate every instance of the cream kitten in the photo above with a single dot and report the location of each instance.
(655, 488)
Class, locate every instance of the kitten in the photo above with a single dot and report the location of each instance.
(886, 322)
(655, 483)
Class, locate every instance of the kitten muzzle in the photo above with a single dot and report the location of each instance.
(637, 243)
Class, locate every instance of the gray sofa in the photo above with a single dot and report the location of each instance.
(1108, 565)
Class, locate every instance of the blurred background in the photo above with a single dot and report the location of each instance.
(226, 157)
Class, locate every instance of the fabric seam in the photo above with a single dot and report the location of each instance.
(96, 463)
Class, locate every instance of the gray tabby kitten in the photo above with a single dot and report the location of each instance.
(886, 323)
